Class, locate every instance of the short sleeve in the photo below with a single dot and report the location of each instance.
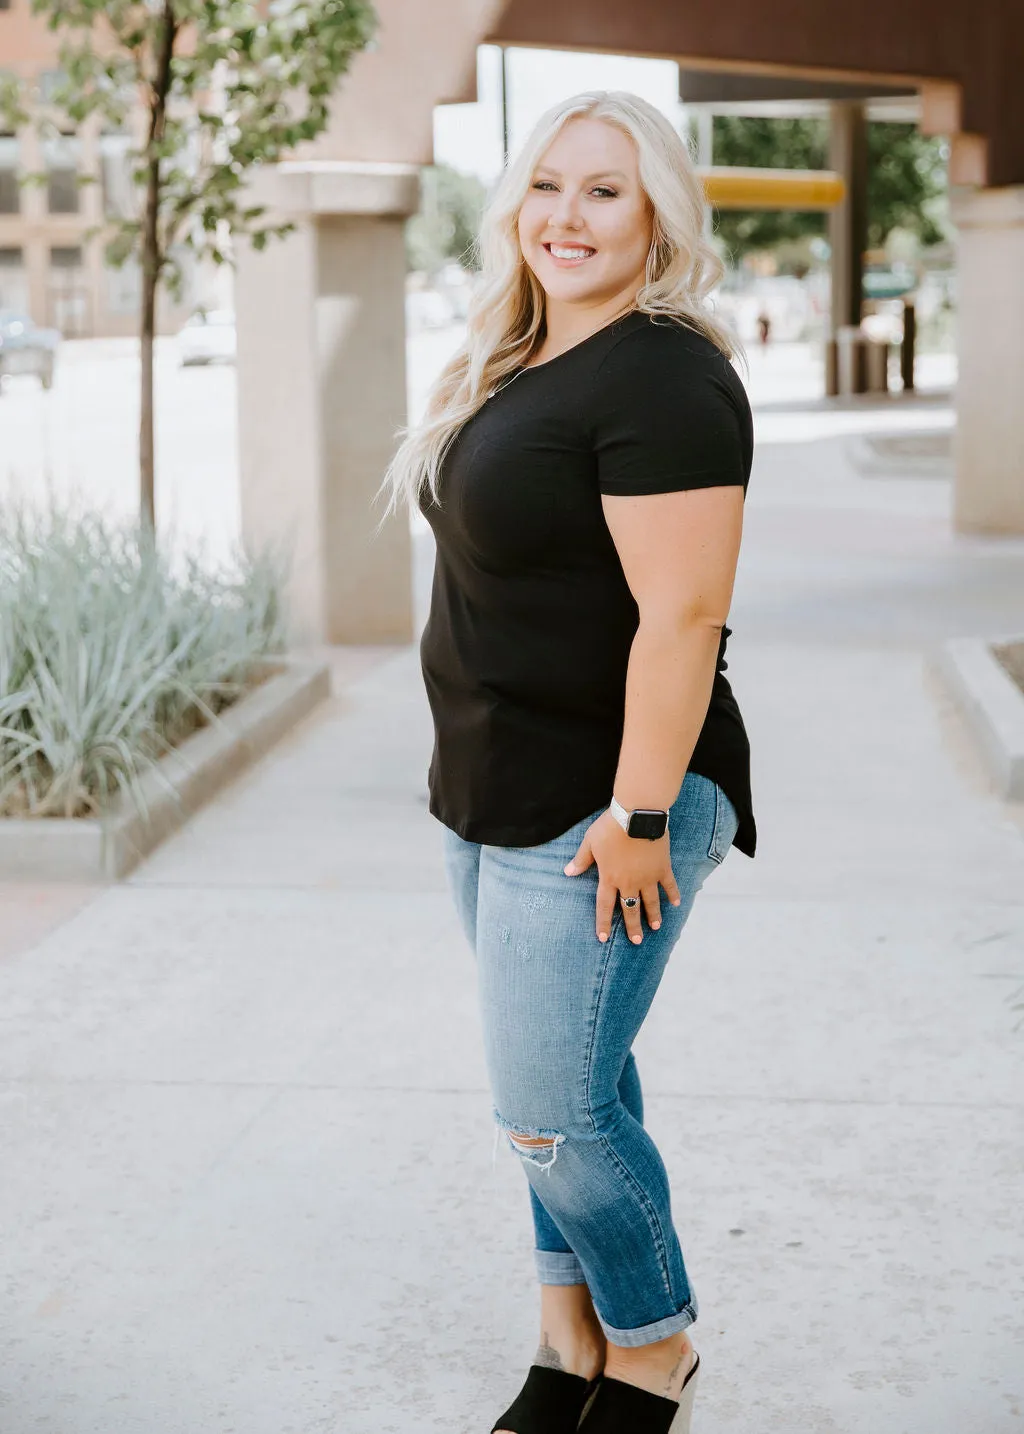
(669, 413)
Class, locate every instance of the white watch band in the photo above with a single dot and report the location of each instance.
(620, 814)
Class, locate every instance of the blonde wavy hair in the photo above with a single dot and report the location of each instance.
(506, 312)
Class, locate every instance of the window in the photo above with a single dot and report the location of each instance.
(62, 191)
(116, 176)
(61, 156)
(48, 83)
(67, 257)
(67, 295)
(10, 197)
(13, 286)
(124, 287)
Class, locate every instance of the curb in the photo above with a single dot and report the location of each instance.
(105, 849)
(992, 704)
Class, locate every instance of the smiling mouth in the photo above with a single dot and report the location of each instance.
(569, 253)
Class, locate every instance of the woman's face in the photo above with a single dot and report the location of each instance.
(585, 224)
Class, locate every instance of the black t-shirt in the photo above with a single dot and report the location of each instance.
(531, 620)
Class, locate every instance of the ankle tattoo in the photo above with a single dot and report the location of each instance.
(547, 1356)
(683, 1362)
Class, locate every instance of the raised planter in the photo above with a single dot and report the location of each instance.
(104, 849)
(992, 704)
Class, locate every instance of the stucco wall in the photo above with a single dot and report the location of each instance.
(425, 55)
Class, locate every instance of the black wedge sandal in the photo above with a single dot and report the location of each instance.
(620, 1408)
(552, 1401)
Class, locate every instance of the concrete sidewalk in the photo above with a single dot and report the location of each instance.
(248, 1155)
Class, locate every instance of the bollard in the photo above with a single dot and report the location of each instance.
(831, 368)
(851, 360)
(876, 366)
(908, 345)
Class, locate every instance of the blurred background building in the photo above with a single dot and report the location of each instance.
(50, 267)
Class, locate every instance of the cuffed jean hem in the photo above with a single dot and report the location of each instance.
(651, 1333)
(559, 1267)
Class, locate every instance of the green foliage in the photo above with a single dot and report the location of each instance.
(108, 658)
(906, 180)
(228, 86)
(763, 143)
(13, 113)
(906, 183)
(446, 226)
(757, 143)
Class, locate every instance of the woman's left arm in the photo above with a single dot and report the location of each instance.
(678, 552)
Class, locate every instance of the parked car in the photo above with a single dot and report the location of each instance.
(208, 337)
(26, 348)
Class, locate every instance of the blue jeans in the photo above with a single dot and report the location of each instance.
(560, 1013)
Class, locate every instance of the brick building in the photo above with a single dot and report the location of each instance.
(48, 264)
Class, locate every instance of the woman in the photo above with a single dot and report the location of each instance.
(583, 464)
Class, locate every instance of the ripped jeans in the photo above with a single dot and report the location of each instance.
(560, 1013)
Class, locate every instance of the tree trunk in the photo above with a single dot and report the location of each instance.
(152, 263)
(147, 464)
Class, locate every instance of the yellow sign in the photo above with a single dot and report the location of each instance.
(734, 188)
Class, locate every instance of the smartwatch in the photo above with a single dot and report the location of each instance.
(643, 823)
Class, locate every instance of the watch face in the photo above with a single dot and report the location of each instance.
(647, 824)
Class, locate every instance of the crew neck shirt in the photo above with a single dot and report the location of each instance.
(526, 645)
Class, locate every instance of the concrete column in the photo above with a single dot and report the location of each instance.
(321, 393)
(705, 126)
(848, 221)
(989, 439)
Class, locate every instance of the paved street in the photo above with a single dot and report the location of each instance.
(248, 1155)
(82, 437)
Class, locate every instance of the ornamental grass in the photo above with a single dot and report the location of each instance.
(110, 655)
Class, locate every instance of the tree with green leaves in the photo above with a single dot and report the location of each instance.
(756, 142)
(446, 226)
(224, 86)
(906, 179)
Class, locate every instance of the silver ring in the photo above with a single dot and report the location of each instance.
(630, 900)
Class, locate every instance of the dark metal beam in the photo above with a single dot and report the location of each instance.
(728, 87)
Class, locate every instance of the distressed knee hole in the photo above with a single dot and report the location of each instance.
(539, 1147)
(540, 1150)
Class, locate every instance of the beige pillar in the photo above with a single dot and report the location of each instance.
(321, 393)
(989, 439)
(848, 221)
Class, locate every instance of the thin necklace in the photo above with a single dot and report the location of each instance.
(607, 324)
